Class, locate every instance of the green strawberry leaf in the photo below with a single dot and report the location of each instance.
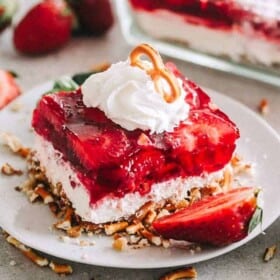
(81, 77)
(8, 8)
(256, 219)
(65, 83)
(13, 73)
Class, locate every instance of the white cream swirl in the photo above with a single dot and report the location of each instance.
(128, 97)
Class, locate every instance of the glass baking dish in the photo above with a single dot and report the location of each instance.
(135, 35)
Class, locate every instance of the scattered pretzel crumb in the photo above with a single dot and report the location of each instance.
(120, 244)
(61, 268)
(29, 253)
(12, 263)
(16, 106)
(9, 170)
(182, 273)
(14, 144)
(263, 106)
(269, 253)
(36, 258)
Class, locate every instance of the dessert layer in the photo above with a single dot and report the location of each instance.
(235, 43)
(109, 208)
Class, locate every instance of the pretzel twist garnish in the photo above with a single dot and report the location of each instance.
(157, 71)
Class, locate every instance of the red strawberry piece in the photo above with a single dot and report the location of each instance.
(215, 220)
(204, 143)
(8, 88)
(46, 27)
(94, 16)
(146, 165)
(96, 146)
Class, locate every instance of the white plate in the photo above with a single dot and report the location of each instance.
(30, 223)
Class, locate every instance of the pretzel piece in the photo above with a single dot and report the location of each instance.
(157, 71)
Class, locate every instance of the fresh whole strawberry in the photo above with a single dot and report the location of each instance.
(94, 16)
(215, 220)
(8, 88)
(46, 27)
(7, 10)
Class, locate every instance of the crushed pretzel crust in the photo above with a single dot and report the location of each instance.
(269, 253)
(183, 273)
(9, 170)
(136, 231)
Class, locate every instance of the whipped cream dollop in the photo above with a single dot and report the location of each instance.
(127, 96)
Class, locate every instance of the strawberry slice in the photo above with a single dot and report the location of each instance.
(98, 146)
(204, 143)
(216, 220)
(8, 88)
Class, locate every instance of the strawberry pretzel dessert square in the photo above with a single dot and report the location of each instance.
(140, 150)
(242, 30)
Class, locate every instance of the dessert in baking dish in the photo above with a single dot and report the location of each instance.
(138, 132)
(242, 30)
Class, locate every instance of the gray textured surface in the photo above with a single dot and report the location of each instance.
(79, 55)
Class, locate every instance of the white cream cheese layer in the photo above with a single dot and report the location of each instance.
(109, 208)
(236, 44)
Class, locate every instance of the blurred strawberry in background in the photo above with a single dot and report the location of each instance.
(8, 88)
(94, 17)
(43, 26)
(7, 10)
(46, 27)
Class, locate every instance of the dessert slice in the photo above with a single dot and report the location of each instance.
(134, 133)
(237, 29)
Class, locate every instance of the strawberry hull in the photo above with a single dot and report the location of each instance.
(110, 160)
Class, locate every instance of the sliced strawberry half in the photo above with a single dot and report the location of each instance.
(216, 220)
(8, 88)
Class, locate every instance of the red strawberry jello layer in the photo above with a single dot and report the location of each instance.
(108, 172)
(236, 28)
